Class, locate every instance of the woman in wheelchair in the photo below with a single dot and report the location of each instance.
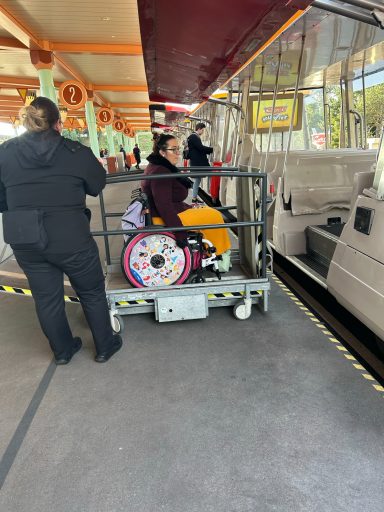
(169, 258)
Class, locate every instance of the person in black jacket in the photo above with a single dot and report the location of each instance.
(136, 154)
(41, 171)
(197, 154)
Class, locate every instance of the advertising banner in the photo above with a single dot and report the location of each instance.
(282, 113)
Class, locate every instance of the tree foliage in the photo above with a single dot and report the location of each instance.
(374, 106)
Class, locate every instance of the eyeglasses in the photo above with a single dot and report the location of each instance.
(175, 150)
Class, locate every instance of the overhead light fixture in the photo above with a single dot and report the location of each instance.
(105, 18)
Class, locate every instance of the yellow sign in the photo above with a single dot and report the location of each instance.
(281, 115)
(31, 95)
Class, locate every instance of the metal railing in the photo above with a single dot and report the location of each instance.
(191, 172)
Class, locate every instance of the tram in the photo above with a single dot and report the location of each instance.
(303, 112)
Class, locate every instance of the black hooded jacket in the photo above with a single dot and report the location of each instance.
(48, 172)
(197, 152)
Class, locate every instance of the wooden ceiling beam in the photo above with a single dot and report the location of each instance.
(18, 30)
(108, 49)
(9, 112)
(20, 82)
(9, 43)
(10, 105)
(8, 97)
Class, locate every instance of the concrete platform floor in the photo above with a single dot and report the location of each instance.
(214, 415)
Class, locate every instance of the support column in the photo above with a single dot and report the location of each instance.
(111, 145)
(126, 143)
(43, 62)
(118, 137)
(91, 124)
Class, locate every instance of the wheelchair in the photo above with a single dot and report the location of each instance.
(154, 259)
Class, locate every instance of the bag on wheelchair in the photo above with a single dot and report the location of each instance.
(137, 215)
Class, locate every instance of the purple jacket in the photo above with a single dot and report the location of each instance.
(165, 197)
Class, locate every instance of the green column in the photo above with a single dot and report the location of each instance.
(111, 145)
(47, 88)
(92, 128)
(130, 144)
(126, 143)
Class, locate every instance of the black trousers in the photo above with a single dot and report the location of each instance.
(45, 275)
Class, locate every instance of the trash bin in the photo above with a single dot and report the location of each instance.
(111, 164)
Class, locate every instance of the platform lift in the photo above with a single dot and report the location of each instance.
(246, 284)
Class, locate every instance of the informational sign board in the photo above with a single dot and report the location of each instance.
(118, 125)
(105, 116)
(73, 94)
(281, 114)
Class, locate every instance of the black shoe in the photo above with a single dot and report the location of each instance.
(116, 346)
(77, 344)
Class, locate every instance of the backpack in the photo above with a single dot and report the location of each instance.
(136, 216)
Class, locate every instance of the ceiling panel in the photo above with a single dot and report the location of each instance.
(125, 97)
(74, 21)
(18, 63)
(108, 69)
(187, 58)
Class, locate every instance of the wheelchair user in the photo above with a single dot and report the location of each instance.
(166, 197)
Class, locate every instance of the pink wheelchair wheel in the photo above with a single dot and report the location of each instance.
(154, 259)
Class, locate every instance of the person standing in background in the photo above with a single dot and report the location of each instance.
(197, 154)
(136, 153)
(122, 150)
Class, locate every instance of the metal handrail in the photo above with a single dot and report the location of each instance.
(202, 171)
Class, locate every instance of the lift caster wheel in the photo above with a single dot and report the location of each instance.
(117, 324)
(242, 310)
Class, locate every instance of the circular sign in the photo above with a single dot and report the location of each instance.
(118, 125)
(73, 94)
(127, 131)
(105, 115)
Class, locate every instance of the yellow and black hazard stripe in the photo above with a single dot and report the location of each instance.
(28, 293)
(229, 295)
(259, 229)
(211, 296)
(138, 302)
(337, 343)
